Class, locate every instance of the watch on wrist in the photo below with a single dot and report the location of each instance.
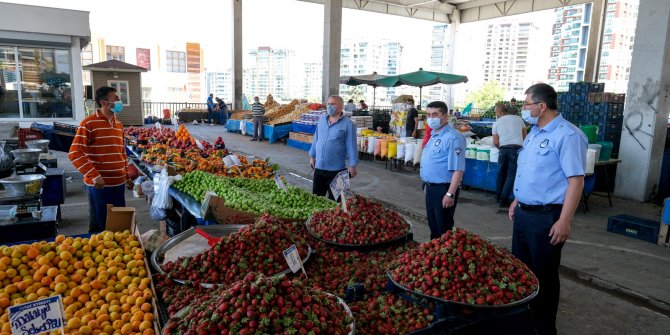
(450, 195)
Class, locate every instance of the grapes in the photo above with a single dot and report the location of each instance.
(256, 196)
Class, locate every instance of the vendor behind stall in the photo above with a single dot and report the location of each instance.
(98, 152)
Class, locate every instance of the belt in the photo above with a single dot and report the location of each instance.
(540, 208)
(510, 146)
(436, 184)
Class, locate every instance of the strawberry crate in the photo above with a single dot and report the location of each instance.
(643, 229)
(27, 134)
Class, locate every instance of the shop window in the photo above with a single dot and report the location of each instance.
(121, 87)
(116, 52)
(176, 61)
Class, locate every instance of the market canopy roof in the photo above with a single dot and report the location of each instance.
(114, 65)
(364, 79)
(421, 78)
(443, 10)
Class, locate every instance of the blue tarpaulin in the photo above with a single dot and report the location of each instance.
(303, 128)
(270, 133)
(233, 125)
(298, 145)
(480, 174)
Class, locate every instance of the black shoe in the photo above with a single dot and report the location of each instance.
(253, 140)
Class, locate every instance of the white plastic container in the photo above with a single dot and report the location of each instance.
(590, 160)
(483, 153)
(418, 150)
(401, 151)
(597, 148)
(371, 144)
(409, 151)
(471, 151)
(494, 154)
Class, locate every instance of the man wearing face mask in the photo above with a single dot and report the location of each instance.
(548, 186)
(334, 143)
(412, 122)
(442, 167)
(98, 152)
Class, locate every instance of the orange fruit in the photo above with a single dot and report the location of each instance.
(74, 323)
(4, 302)
(85, 330)
(32, 252)
(83, 298)
(148, 331)
(146, 307)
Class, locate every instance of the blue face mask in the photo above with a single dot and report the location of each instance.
(118, 107)
(528, 117)
(434, 122)
(332, 110)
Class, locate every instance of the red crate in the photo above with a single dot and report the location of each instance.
(27, 134)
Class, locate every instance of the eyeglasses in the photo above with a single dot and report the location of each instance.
(534, 103)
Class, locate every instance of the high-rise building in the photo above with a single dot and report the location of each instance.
(270, 73)
(617, 44)
(363, 57)
(220, 84)
(568, 51)
(439, 51)
(313, 75)
(507, 55)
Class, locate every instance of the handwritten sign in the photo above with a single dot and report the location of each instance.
(159, 127)
(293, 259)
(231, 160)
(175, 123)
(339, 186)
(37, 317)
(280, 183)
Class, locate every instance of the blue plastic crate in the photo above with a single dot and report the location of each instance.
(595, 87)
(615, 116)
(643, 229)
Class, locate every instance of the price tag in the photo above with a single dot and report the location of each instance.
(37, 317)
(231, 160)
(175, 123)
(339, 186)
(293, 259)
(280, 183)
(198, 144)
(159, 127)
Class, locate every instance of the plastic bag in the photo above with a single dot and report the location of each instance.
(6, 161)
(243, 127)
(162, 184)
(157, 214)
(409, 151)
(418, 150)
(152, 239)
(148, 188)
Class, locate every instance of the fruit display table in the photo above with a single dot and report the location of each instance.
(272, 133)
(29, 228)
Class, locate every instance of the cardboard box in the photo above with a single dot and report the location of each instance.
(120, 219)
(214, 209)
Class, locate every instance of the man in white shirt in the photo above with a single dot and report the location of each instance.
(509, 130)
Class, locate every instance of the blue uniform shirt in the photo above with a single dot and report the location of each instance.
(443, 154)
(334, 143)
(549, 156)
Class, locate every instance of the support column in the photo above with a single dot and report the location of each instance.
(452, 30)
(592, 65)
(647, 104)
(332, 41)
(237, 72)
(77, 91)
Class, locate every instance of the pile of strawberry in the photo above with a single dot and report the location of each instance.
(389, 314)
(365, 222)
(264, 305)
(463, 267)
(176, 296)
(255, 248)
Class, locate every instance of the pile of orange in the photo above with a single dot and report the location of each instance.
(182, 133)
(103, 282)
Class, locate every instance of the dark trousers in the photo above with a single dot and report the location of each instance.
(507, 173)
(530, 243)
(210, 112)
(224, 116)
(98, 200)
(321, 183)
(440, 219)
(258, 128)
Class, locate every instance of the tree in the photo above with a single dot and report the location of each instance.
(487, 96)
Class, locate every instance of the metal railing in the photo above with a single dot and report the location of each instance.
(150, 108)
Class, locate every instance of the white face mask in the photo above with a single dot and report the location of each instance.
(434, 122)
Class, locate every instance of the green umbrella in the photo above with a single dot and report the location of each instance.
(364, 79)
(420, 79)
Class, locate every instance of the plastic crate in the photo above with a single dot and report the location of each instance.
(615, 116)
(643, 229)
(612, 127)
(64, 127)
(27, 134)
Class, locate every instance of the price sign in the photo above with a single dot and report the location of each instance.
(175, 123)
(159, 127)
(231, 160)
(293, 259)
(339, 186)
(198, 144)
(280, 183)
(37, 317)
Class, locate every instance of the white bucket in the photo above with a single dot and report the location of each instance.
(401, 151)
(590, 160)
(471, 151)
(483, 153)
(494, 154)
(371, 144)
(418, 150)
(597, 148)
(409, 151)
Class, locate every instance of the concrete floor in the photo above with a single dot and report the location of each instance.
(611, 284)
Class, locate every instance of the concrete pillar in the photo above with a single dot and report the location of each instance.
(591, 68)
(332, 41)
(452, 30)
(237, 72)
(77, 91)
(647, 104)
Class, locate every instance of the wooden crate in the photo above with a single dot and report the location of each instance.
(301, 137)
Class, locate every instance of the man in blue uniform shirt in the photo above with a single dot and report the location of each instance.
(547, 189)
(442, 167)
(333, 144)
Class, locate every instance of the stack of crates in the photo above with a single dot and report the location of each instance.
(588, 104)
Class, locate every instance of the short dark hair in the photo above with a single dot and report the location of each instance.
(439, 105)
(362, 101)
(102, 93)
(351, 101)
(544, 93)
